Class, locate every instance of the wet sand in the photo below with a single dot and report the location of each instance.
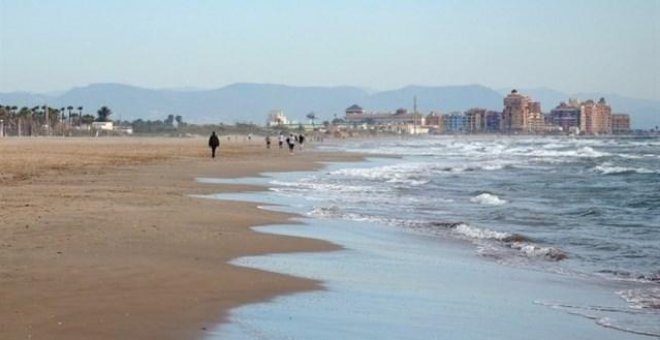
(100, 238)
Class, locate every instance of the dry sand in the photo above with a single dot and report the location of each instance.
(99, 238)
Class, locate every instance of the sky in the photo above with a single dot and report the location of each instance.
(572, 46)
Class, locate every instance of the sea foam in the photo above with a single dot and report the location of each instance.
(608, 169)
(487, 199)
(642, 298)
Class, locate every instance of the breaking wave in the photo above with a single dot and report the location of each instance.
(327, 187)
(410, 174)
(487, 199)
(522, 245)
(608, 169)
(642, 298)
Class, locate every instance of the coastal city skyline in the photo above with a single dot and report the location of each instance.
(521, 114)
(573, 47)
(245, 103)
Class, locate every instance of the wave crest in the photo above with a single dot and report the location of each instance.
(608, 169)
(487, 199)
(642, 298)
(522, 244)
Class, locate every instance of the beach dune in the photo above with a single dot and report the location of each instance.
(101, 238)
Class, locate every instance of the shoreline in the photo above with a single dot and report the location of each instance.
(106, 240)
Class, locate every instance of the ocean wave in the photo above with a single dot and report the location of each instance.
(318, 186)
(613, 324)
(486, 166)
(492, 167)
(324, 212)
(487, 199)
(536, 251)
(457, 169)
(609, 169)
(522, 245)
(623, 275)
(642, 298)
(404, 179)
(616, 318)
(588, 151)
(411, 174)
(583, 152)
(479, 233)
(388, 172)
(335, 212)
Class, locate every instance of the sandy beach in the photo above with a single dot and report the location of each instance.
(100, 238)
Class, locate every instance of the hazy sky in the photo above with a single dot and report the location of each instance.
(572, 45)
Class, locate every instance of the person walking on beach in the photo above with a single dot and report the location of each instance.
(281, 140)
(301, 141)
(290, 141)
(214, 143)
(268, 142)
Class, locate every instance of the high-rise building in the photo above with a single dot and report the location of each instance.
(516, 110)
(595, 118)
(520, 113)
(493, 121)
(566, 116)
(535, 119)
(454, 122)
(475, 120)
(434, 119)
(620, 123)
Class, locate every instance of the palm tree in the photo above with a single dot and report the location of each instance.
(80, 108)
(45, 118)
(34, 113)
(11, 114)
(23, 114)
(311, 116)
(62, 117)
(69, 108)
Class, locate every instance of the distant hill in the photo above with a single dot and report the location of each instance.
(248, 102)
(437, 98)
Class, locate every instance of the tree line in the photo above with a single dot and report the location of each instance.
(46, 120)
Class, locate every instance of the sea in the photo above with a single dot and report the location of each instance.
(467, 237)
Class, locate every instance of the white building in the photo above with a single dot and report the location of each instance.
(277, 118)
(107, 126)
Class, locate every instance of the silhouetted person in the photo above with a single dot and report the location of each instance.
(268, 142)
(291, 143)
(214, 143)
(301, 141)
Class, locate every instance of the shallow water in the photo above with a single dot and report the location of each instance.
(389, 284)
(520, 237)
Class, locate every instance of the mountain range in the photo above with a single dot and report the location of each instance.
(249, 102)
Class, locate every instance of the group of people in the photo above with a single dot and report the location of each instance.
(291, 141)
